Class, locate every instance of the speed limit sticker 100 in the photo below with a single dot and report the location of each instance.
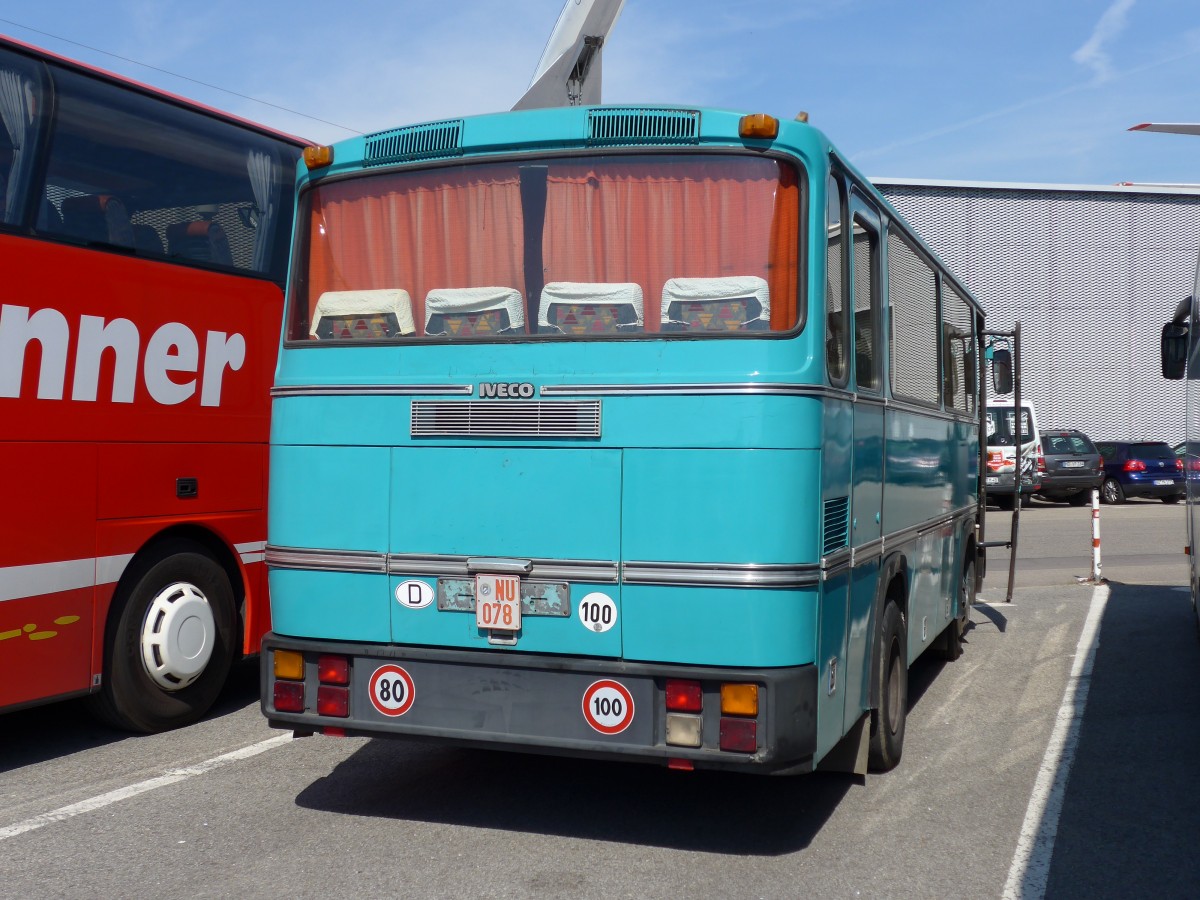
(392, 690)
(608, 706)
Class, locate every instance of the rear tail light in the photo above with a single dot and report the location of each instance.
(1134, 465)
(1178, 464)
(739, 735)
(289, 696)
(1041, 464)
(684, 696)
(333, 701)
(333, 669)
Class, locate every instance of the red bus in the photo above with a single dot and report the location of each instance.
(143, 245)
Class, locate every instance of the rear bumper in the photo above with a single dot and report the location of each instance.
(1147, 488)
(1065, 485)
(535, 702)
(1003, 483)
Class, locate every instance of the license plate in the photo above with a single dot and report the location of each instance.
(991, 479)
(1074, 464)
(498, 602)
(1163, 481)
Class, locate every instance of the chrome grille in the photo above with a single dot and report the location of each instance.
(506, 418)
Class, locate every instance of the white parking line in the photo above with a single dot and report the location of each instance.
(1030, 867)
(170, 777)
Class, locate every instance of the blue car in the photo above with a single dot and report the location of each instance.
(1140, 469)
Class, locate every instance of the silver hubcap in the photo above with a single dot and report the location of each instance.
(178, 636)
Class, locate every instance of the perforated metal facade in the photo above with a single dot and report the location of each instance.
(1091, 273)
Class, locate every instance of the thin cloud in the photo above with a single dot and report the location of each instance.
(1093, 53)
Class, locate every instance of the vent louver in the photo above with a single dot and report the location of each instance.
(432, 140)
(837, 525)
(622, 127)
(506, 418)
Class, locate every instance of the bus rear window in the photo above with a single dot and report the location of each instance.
(583, 247)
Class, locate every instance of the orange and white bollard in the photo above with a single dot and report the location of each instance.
(1096, 578)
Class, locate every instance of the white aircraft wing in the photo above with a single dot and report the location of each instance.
(1169, 127)
(569, 71)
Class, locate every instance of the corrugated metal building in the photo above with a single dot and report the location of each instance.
(1091, 272)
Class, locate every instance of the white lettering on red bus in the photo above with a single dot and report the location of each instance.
(172, 348)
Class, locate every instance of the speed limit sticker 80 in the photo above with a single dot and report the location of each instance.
(608, 706)
(392, 690)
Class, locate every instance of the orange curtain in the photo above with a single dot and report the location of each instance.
(647, 222)
(445, 228)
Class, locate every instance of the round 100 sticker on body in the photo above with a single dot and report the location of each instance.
(597, 612)
(392, 690)
(608, 706)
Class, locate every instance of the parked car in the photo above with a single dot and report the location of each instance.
(1073, 467)
(1000, 480)
(1140, 469)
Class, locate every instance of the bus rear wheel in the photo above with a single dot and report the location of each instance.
(891, 672)
(951, 645)
(169, 642)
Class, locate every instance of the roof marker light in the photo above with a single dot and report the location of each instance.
(318, 156)
(758, 125)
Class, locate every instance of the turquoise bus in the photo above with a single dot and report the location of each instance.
(635, 433)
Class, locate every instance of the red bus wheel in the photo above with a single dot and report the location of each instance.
(170, 641)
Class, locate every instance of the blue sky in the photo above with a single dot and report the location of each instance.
(1018, 91)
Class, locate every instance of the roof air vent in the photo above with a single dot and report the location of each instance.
(615, 126)
(432, 140)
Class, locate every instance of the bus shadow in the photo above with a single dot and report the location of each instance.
(1130, 822)
(54, 730)
(630, 803)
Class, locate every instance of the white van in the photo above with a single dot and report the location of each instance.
(999, 478)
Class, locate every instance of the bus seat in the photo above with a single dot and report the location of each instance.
(465, 312)
(203, 241)
(362, 315)
(97, 217)
(735, 303)
(583, 308)
(146, 239)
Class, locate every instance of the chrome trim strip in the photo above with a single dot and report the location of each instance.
(867, 552)
(837, 559)
(646, 390)
(326, 560)
(371, 390)
(720, 574)
(498, 566)
(438, 566)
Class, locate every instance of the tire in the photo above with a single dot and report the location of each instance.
(169, 642)
(1174, 498)
(1111, 492)
(891, 674)
(1005, 501)
(951, 644)
(1083, 498)
(1026, 501)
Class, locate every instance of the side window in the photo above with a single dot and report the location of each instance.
(22, 99)
(866, 304)
(958, 357)
(912, 299)
(836, 331)
(128, 170)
